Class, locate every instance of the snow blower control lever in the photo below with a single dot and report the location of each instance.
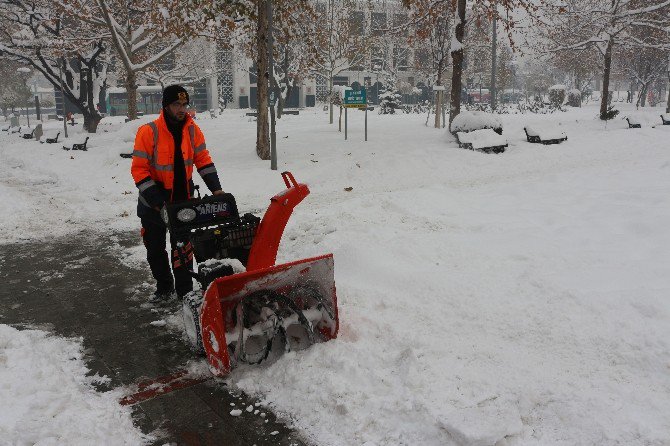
(247, 303)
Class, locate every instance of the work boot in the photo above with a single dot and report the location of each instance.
(160, 297)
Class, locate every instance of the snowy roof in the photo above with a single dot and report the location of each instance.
(558, 87)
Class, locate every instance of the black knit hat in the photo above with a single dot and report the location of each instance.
(174, 93)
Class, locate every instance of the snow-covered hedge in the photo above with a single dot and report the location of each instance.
(574, 98)
(467, 121)
(557, 95)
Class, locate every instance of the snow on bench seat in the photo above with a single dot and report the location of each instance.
(665, 117)
(485, 140)
(544, 134)
(633, 122)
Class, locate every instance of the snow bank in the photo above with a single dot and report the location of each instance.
(48, 399)
(467, 121)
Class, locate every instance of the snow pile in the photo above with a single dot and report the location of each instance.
(48, 399)
(467, 121)
(558, 87)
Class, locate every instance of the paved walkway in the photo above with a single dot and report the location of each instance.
(77, 287)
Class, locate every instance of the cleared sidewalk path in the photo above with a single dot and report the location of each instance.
(77, 287)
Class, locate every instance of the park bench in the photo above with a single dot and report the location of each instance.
(15, 129)
(28, 133)
(544, 135)
(6, 127)
(665, 118)
(51, 138)
(484, 140)
(633, 123)
(77, 145)
(291, 112)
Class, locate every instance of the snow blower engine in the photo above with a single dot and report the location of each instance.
(249, 308)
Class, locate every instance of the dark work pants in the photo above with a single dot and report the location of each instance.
(154, 237)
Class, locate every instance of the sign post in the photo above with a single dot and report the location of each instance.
(355, 99)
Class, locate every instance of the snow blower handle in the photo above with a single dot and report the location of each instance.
(266, 242)
(289, 180)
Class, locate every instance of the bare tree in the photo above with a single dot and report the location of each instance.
(51, 41)
(341, 41)
(463, 12)
(586, 24)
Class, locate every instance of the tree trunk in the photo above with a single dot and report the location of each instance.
(330, 95)
(667, 106)
(457, 57)
(604, 100)
(642, 96)
(439, 96)
(91, 114)
(131, 93)
(262, 63)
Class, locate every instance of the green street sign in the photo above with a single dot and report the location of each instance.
(355, 98)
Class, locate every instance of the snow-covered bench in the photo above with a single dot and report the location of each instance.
(28, 133)
(485, 140)
(50, 138)
(544, 135)
(6, 127)
(15, 129)
(665, 117)
(633, 123)
(76, 144)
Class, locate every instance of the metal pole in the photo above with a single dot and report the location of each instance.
(345, 123)
(366, 122)
(62, 95)
(273, 134)
(494, 45)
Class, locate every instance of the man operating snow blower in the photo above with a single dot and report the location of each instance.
(163, 158)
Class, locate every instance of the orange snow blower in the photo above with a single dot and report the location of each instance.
(249, 308)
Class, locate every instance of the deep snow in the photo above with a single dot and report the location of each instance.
(513, 299)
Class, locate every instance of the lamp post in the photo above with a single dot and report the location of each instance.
(24, 72)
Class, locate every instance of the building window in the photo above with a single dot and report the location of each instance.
(378, 23)
(357, 23)
(400, 58)
(224, 61)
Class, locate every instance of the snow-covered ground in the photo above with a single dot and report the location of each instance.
(47, 399)
(513, 299)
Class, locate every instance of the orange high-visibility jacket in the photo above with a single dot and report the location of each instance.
(153, 161)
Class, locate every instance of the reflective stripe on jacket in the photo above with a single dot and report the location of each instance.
(153, 160)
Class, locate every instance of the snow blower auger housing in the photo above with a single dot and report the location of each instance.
(250, 306)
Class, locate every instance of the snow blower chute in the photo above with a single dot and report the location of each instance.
(244, 314)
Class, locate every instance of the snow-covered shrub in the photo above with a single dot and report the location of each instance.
(575, 98)
(467, 121)
(389, 100)
(557, 95)
(610, 113)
